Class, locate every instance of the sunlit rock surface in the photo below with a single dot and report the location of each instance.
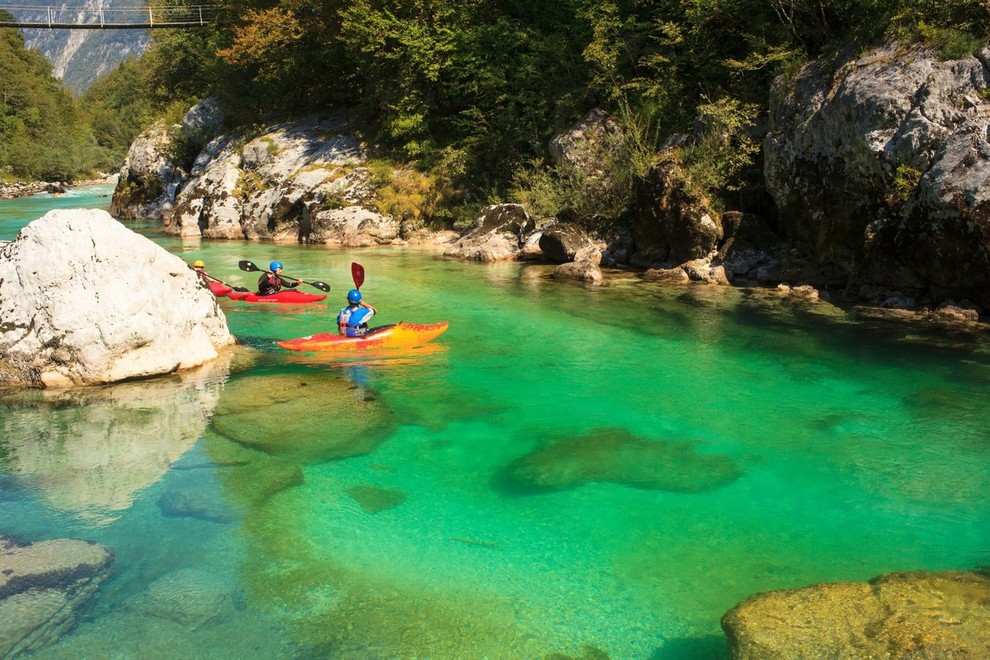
(498, 234)
(286, 183)
(84, 300)
(898, 615)
(90, 451)
(43, 586)
(274, 414)
(615, 455)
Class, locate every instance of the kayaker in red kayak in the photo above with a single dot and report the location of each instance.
(200, 267)
(352, 321)
(272, 282)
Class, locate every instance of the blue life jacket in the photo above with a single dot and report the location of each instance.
(356, 319)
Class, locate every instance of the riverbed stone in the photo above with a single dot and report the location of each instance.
(374, 499)
(43, 588)
(914, 615)
(275, 413)
(85, 300)
(585, 271)
(617, 456)
(188, 596)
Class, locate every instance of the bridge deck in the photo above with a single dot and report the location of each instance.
(110, 18)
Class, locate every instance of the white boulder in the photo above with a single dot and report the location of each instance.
(84, 300)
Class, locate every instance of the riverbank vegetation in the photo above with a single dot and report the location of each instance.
(471, 91)
(43, 133)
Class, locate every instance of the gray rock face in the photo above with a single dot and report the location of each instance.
(673, 224)
(581, 144)
(80, 57)
(148, 179)
(498, 234)
(287, 184)
(563, 240)
(880, 168)
(84, 300)
(43, 586)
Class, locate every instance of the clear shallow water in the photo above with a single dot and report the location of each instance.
(563, 471)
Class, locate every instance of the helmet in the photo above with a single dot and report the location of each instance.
(354, 296)
(199, 263)
(275, 265)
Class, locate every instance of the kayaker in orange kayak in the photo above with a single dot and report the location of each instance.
(272, 282)
(352, 321)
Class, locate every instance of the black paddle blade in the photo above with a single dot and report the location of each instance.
(240, 289)
(248, 266)
(322, 286)
(357, 272)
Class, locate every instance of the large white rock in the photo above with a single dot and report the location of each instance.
(84, 300)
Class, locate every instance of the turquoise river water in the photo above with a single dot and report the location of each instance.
(587, 473)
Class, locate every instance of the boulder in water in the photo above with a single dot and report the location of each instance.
(85, 301)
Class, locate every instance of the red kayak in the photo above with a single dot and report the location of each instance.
(218, 289)
(286, 296)
(400, 335)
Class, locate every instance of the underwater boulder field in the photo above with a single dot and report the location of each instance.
(565, 472)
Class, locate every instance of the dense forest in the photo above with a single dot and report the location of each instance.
(470, 91)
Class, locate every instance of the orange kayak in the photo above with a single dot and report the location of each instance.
(400, 335)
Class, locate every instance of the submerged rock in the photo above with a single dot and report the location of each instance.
(898, 615)
(189, 597)
(374, 499)
(43, 586)
(199, 503)
(617, 456)
(86, 301)
(276, 415)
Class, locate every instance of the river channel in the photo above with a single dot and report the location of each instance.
(588, 472)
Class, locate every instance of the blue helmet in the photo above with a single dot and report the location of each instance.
(275, 265)
(354, 296)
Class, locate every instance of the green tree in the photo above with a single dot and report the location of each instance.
(43, 135)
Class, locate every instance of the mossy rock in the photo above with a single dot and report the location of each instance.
(303, 417)
(617, 456)
(897, 615)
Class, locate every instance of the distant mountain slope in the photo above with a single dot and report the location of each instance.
(79, 57)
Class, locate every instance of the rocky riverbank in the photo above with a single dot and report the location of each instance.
(25, 188)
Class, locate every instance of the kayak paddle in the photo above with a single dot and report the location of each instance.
(235, 288)
(357, 272)
(251, 268)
